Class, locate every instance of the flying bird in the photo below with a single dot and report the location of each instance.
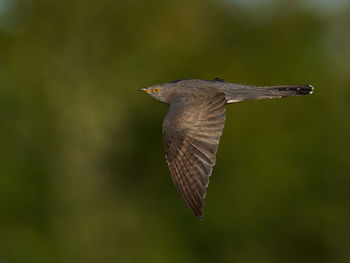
(193, 125)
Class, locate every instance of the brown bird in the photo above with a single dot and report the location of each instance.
(194, 124)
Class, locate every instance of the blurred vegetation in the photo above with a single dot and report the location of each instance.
(82, 170)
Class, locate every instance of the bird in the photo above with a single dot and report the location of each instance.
(193, 125)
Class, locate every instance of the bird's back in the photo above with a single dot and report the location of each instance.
(240, 92)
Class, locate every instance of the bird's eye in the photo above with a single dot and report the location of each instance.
(155, 90)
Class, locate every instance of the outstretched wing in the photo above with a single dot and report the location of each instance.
(191, 134)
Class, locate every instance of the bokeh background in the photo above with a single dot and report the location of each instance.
(82, 170)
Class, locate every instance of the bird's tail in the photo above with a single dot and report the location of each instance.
(286, 91)
(238, 92)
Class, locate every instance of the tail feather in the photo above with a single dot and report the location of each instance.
(286, 91)
(238, 92)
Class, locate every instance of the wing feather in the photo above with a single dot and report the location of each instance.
(191, 134)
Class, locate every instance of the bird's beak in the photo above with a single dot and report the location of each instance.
(145, 90)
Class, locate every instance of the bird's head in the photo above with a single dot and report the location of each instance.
(159, 92)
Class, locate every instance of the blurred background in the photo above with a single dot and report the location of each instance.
(82, 171)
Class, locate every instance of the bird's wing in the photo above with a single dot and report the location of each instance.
(191, 134)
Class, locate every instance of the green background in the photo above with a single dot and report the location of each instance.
(82, 171)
